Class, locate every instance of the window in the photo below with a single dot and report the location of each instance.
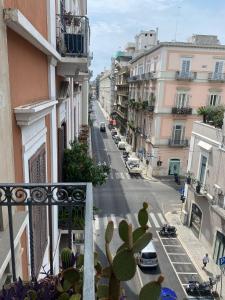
(219, 67)
(185, 65)
(148, 66)
(140, 69)
(182, 100)
(202, 169)
(214, 99)
(178, 134)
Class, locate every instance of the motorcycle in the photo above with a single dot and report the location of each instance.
(196, 288)
(168, 231)
(125, 155)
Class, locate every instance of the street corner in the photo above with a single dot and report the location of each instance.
(173, 218)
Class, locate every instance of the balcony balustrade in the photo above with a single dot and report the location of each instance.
(72, 35)
(185, 75)
(216, 77)
(178, 143)
(182, 110)
(77, 197)
(150, 108)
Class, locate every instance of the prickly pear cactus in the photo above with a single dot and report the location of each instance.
(67, 258)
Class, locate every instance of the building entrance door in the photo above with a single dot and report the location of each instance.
(196, 219)
(174, 167)
(219, 247)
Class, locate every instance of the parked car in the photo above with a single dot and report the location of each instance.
(148, 256)
(122, 145)
(102, 127)
(133, 165)
(117, 139)
(113, 132)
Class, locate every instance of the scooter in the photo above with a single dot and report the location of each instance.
(125, 155)
(168, 231)
(196, 288)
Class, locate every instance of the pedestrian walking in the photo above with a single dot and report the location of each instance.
(205, 260)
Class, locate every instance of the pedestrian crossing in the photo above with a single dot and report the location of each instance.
(122, 176)
(155, 220)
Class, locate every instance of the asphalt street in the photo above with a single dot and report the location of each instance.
(122, 197)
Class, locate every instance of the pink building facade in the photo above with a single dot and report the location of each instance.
(168, 83)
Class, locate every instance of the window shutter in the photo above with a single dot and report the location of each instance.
(187, 100)
(176, 99)
(173, 132)
(183, 133)
(209, 99)
(219, 99)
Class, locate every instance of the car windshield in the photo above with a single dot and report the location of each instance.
(149, 255)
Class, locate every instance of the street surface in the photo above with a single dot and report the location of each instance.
(122, 197)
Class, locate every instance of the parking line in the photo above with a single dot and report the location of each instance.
(139, 276)
(105, 221)
(181, 262)
(154, 220)
(128, 217)
(173, 253)
(172, 265)
(97, 223)
(187, 273)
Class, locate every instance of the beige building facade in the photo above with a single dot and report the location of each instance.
(204, 207)
(167, 84)
(105, 94)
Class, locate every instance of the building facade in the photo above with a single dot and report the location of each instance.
(204, 206)
(167, 84)
(105, 92)
(43, 106)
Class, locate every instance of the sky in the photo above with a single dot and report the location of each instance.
(113, 23)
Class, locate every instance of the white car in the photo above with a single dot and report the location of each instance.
(133, 165)
(122, 146)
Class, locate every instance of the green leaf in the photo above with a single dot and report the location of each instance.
(109, 232)
(151, 291)
(142, 242)
(75, 297)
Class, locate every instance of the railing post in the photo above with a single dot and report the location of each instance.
(70, 238)
(31, 241)
(11, 235)
(50, 231)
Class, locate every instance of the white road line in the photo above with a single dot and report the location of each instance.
(172, 253)
(122, 176)
(136, 217)
(161, 218)
(179, 263)
(97, 223)
(139, 276)
(128, 217)
(105, 221)
(113, 218)
(149, 224)
(172, 265)
(154, 220)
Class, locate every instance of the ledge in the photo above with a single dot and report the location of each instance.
(21, 25)
(220, 211)
(28, 114)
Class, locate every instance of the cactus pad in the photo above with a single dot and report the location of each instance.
(151, 291)
(71, 275)
(109, 232)
(103, 291)
(124, 265)
(145, 205)
(123, 230)
(64, 296)
(67, 258)
(142, 242)
(137, 233)
(75, 297)
(143, 217)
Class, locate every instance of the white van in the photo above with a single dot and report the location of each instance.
(122, 146)
(148, 256)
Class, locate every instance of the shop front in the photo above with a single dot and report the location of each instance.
(196, 220)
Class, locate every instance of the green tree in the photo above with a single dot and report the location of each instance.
(78, 166)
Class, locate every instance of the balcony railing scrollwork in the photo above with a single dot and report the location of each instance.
(182, 110)
(185, 75)
(217, 77)
(178, 143)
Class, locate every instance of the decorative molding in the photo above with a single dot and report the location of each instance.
(28, 114)
(183, 88)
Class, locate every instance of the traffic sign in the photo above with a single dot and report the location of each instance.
(222, 260)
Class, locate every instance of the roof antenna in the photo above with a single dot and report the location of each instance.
(177, 17)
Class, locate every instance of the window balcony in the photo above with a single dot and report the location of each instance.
(216, 77)
(181, 110)
(186, 76)
(178, 143)
(150, 108)
(72, 42)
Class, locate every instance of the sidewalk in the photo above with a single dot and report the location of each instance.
(195, 250)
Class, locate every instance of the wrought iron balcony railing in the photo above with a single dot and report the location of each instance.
(185, 75)
(74, 196)
(72, 35)
(150, 108)
(182, 110)
(217, 77)
(178, 143)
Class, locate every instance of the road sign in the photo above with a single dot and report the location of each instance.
(222, 260)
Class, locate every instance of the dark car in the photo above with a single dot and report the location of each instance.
(113, 132)
(102, 127)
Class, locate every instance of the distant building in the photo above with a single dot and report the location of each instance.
(167, 84)
(105, 91)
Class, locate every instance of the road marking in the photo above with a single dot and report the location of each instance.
(149, 224)
(181, 262)
(113, 218)
(128, 217)
(122, 176)
(105, 221)
(172, 265)
(139, 276)
(188, 273)
(161, 218)
(173, 253)
(97, 223)
(136, 217)
(154, 220)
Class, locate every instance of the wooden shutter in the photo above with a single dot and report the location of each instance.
(37, 174)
